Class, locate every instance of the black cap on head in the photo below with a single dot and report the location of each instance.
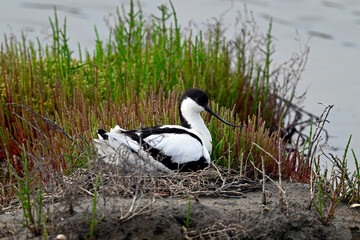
(103, 134)
(199, 96)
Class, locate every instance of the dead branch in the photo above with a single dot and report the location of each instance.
(266, 152)
(263, 200)
(269, 178)
(313, 145)
(47, 120)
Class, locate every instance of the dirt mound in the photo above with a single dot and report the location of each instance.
(211, 218)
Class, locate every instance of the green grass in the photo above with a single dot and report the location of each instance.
(32, 207)
(334, 187)
(93, 223)
(187, 221)
(135, 79)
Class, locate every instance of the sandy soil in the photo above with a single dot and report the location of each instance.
(211, 218)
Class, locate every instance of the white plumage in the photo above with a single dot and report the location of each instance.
(164, 148)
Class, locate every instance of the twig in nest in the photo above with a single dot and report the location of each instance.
(134, 209)
(217, 231)
(220, 175)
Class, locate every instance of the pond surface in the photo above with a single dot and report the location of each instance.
(333, 28)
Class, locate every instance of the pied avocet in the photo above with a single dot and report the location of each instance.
(168, 147)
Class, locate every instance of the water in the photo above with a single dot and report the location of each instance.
(333, 27)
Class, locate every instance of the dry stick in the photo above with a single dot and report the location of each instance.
(185, 233)
(271, 180)
(280, 193)
(319, 128)
(82, 139)
(35, 127)
(206, 234)
(266, 152)
(87, 191)
(298, 109)
(220, 175)
(229, 161)
(337, 162)
(134, 209)
(279, 186)
(241, 165)
(51, 123)
(352, 220)
(263, 200)
(275, 183)
(247, 159)
(47, 120)
(312, 190)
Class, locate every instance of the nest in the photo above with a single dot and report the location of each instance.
(211, 182)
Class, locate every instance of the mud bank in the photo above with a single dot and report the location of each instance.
(211, 218)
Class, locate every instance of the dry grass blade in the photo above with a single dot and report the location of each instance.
(218, 230)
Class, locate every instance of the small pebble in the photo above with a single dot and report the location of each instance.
(355, 205)
(60, 237)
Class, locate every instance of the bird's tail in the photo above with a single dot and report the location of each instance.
(117, 151)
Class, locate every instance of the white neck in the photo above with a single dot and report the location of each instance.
(191, 113)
